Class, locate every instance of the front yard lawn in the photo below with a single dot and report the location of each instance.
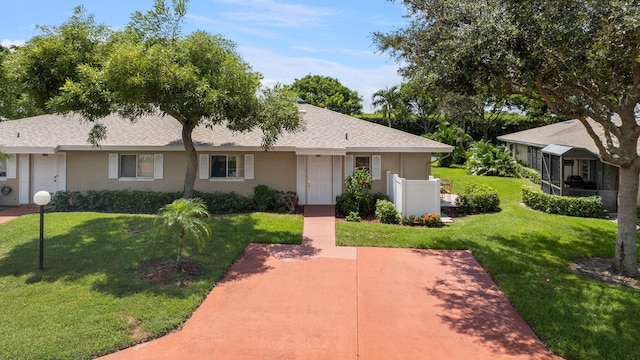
(529, 254)
(89, 300)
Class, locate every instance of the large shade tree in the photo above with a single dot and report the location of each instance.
(579, 57)
(328, 92)
(150, 67)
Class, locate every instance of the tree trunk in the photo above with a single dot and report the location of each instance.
(625, 261)
(192, 160)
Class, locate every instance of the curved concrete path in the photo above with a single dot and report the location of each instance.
(14, 212)
(319, 301)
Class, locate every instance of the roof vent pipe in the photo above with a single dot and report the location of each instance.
(346, 136)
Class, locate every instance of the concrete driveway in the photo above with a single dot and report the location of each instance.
(319, 301)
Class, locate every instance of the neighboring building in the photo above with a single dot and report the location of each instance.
(50, 152)
(568, 160)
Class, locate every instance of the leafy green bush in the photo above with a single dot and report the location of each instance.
(225, 203)
(264, 198)
(585, 206)
(488, 160)
(353, 216)
(428, 220)
(454, 135)
(142, 202)
(478, 199)
(528, 173)
(113, 201)
(386, 212)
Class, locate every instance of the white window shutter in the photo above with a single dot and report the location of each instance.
(348, 165)
(11, 166)
(62, 171)
(376, 167)
(158, 166)
(248, 166)
(204, 166)
(301, 179)
(113, 166)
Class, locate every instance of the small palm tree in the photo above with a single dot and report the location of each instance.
(185, 217)
(389, 99)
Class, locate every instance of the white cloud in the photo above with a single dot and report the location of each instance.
(278, 68)
(8, 43)
(277, 14)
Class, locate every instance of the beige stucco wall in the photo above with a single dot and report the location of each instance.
(272, 168)
(89, 171)
(411, 166)
(520, 152)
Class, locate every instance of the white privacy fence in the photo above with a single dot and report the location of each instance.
(414, 197)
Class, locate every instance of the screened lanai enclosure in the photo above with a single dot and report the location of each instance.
(571, 171)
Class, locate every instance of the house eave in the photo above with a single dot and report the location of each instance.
(443, 149)
(519, 142)
(321, 151)
(29, 149)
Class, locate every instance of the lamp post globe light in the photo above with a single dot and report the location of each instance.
(42, 198)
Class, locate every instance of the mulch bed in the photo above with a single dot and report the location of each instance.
(600, 269)
(164, 272)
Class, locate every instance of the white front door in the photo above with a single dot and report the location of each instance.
(49, 173)
(319, 180)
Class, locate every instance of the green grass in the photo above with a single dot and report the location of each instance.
(78, 307)
(528, 255)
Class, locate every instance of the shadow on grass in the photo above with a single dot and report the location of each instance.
(106, 252)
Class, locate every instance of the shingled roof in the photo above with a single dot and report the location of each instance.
(325, 131)
(568, 133)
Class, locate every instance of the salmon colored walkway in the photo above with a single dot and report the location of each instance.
(12, 213)
(318, 301)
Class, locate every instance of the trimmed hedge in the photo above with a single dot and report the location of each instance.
(478, 199)
(584, 206)
(112, 201)
(148, 202)
(528, 173)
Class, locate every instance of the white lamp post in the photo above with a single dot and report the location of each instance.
(41, 198)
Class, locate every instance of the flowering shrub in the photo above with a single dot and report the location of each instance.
(358, 197)
(428, 220)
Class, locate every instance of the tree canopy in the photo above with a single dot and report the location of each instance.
(327, 92)
(13, 103)
(582, 61)
(150, 67)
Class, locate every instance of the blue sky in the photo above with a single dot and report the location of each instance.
(282, 39)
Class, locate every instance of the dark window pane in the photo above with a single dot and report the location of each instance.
(363, 162)
(128, 165)
(218, 166)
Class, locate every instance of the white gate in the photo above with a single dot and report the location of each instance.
(414, 197)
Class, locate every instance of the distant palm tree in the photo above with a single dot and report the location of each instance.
(389, 99)
(185, 217)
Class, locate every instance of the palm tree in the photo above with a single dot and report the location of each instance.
(389, 99)
(185, 217)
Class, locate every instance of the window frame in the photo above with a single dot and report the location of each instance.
(368, 166)
(154, 161)
(239, 168)
(6, 168)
